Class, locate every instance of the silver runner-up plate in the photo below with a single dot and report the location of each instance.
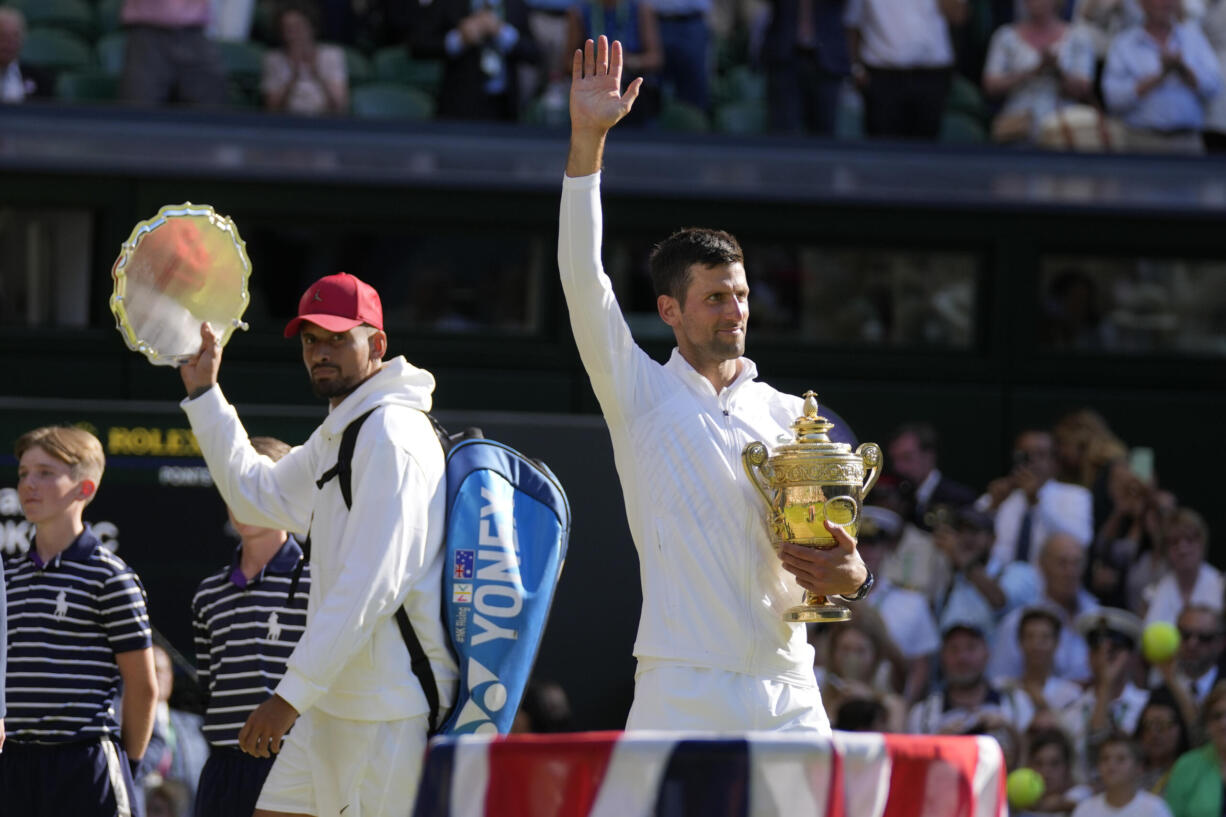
(184, 266)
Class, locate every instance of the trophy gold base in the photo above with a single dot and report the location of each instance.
(816, 609)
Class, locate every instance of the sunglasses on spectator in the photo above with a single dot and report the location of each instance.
(1203, 638)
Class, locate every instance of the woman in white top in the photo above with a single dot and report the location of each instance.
(1037, 65)
(304, 77)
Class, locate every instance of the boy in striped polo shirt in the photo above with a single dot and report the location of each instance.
(78, 633)
(246, 627)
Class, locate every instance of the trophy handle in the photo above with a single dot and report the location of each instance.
(754, 459)
(870, 453)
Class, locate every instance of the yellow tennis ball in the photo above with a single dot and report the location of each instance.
(1159, 642)
(1024, 787)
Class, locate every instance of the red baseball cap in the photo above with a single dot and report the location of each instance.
(338, 303)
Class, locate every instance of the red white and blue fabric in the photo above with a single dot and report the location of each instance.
(614, 774)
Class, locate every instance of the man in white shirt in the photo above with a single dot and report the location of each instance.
(713, 651)
(902, 60)
(1030, 505)
(17, 82)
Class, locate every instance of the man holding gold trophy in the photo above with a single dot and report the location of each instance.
(714, 649)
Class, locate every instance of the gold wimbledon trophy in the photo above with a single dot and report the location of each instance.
(806, 482)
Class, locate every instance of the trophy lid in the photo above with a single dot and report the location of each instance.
(811, 431)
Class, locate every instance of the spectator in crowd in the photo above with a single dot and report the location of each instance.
(1036, 65)
(1119, 764)
(902, 62)
(1038, 633)
(1191, 580)
(979, 590)
(304, 76)
(65, 751)
(167, 57)
(248, 614)
(634, 24)
(177, 749)
(1086, 447)
(1158, 79)
(1194, 788)
(1111, 702)
(1214, 26)
(859, 654)
(908, 619)
(911, 454)
(545, 708)
(862, 715)
(804, 52)
(1030, 505)
(1051, 755)
(1201, 645)
(685, 37)
(1128, 554)
(967, 702)
(1163, 736)
(18, 82)
(1061, 565)
(549, 22)
(481, 44)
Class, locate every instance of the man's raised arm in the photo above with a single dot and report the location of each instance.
(596, 103)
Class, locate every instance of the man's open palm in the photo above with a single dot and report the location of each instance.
(596, 100)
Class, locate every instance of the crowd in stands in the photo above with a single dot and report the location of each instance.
(1018, 612)
(1140, 75)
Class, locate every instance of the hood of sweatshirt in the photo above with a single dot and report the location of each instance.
(398, 383)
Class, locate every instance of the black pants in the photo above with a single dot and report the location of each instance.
(802, 96)
(230, 783)
(906, 103)
(90, 779)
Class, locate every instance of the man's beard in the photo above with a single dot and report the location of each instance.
(336, 387)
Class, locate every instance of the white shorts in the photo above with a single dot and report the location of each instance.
(331, 766)
(673, 697)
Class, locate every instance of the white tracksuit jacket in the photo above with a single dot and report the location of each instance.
(713, 588)
(366, 561)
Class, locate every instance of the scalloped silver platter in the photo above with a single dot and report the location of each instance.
(184, 266)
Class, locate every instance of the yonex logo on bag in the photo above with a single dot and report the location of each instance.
(498, 548)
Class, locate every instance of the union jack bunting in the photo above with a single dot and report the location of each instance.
(664, 774)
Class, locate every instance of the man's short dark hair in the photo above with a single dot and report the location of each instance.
(671, 259)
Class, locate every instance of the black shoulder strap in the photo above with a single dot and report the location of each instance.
(421, 667)
(343, 470)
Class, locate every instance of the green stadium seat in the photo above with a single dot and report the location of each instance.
(87, 87)
(392, 64)
(385, 100)
(741, 117)
(76, 16)
(683, 117)
(548, 112)
(106, 20)
(56, 49)
(245, 60)
(960, 129)
(111, 48)
(740, 84)
(357, 66)
(965, 97)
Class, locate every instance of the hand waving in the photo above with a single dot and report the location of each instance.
(596, 100)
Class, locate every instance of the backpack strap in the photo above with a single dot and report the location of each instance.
(343, 471)
(420, 665)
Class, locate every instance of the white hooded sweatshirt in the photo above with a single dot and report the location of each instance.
(384, 552)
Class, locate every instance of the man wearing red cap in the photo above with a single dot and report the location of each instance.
(361, 713)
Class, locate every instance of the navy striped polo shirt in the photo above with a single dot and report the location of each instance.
(67, 619)
(245, 632)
